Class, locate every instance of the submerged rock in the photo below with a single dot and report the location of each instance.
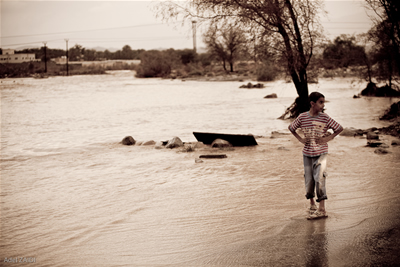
(159, 145)
(352, 132)
(381, 151)
(148, 143)
(283, 148)
(383, 145)
(250, 85)
(374, 143)
(395, 142)
(372, 136)
(220, 143)
(271, 96)
(276, 134)
(128, 141)
(213, 156)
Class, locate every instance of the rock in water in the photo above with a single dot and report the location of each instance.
(381, 151)
(372, 136)
(213, 156)
(395, 142)
(250, 85)
(128, 141)
(220, 143)
(198, 160)
(374, 143)
(148, 143)
(352, 132)
(271, 96)
(174, 142)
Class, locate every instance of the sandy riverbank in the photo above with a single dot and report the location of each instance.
(363, 227)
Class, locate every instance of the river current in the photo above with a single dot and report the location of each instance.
(72, 195)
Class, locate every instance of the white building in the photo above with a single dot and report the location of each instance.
(8, 56)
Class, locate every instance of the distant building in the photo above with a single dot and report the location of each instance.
(60, 60)
(8, 56)
(102, 63)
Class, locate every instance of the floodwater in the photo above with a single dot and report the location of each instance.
(71, 195)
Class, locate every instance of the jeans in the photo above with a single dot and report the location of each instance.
(315, 176)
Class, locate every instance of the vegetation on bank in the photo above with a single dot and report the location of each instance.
(281, 41)
(40, 70)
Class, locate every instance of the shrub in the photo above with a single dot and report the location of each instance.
(205, 59)
(266, 72)
(157, 63)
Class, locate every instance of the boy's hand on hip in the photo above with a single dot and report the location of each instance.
(324, 140)
(305, 140)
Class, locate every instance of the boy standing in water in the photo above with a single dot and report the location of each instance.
(314, 124)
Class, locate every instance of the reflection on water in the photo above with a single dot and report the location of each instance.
(317, 244)
(72, 196)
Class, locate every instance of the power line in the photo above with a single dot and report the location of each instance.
(344, 28)
(344, 22)
(103, 29)
(104, 40)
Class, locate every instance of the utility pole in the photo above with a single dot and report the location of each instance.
(66, 40)
(194, 35)
(45, 57)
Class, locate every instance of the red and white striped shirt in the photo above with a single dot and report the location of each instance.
(314, 127)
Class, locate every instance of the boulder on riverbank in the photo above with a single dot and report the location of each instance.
(392, 112)
(384, 91)
(393, 130)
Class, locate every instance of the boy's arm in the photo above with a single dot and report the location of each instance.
(326, 139)
(301, 140)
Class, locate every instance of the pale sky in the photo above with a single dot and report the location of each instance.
(113, 24)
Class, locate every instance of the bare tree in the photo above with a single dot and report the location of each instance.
(226, 43)
(291, 25)
(386, 32)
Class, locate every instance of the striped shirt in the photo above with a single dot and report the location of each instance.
(314, 127)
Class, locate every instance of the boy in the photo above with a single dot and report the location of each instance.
(314, 124)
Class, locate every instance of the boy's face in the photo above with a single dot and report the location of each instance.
(319, 105)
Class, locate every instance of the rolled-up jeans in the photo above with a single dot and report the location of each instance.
(315, 176)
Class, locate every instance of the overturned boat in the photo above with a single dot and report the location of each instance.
(234, 139)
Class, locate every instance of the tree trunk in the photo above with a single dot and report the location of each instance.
(299, 76)
(301, 83)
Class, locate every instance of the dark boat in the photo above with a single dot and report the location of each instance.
(234, 139)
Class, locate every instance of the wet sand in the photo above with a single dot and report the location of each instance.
(363, 226)
(373, 242)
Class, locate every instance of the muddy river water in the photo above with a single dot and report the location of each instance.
(71, 195)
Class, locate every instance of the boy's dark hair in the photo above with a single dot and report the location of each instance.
(314, 96)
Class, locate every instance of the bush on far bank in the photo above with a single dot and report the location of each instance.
(266, 72)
